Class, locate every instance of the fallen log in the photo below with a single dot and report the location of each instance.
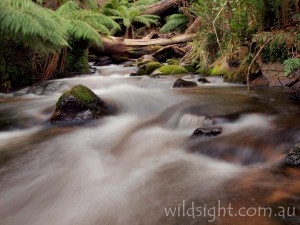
(162, 7)
(122, 49)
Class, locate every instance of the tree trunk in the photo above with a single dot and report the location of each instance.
(162, 7)
(127, 33)
(124, 49)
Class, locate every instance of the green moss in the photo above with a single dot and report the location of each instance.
(148, 68)
(172, 62)
(203, 71)
(218, 70)
(82, 94)
(190, 68)
(238, 75)
(151, 66)
(172, 69)
(141, 71)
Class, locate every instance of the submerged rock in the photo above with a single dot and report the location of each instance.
(103, 61)
(180, 83)
(203, 80)
(79, 103)
(207, 132)
(293, 157)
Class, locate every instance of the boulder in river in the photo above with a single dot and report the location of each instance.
(78, 104)
(180, 83)
(203, 80)
(147, 69)
(214, 131)
(103, 61)
(293, 157)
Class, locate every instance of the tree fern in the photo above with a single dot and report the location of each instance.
(291, 65)
(93, 19)
(133, 14)
(147, 20)
(175, 21)
(26, 22)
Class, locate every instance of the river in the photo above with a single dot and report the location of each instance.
(141, 166)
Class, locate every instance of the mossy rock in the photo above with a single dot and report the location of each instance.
(218, 70)
(230, 74)
(148, 68)
(172, 69)
(151, 66)
(173, 62)
(79, 103)
(145, 59)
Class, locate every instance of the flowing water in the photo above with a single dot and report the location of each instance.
(132, 168)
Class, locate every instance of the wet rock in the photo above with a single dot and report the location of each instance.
(293, 157)
(260, 81)
(203, 80)
(179, 83)
(145, 59)
(147, 69)
(103, 61)
(78, 104)
(92, 70)
(275, 75)
(207, 132)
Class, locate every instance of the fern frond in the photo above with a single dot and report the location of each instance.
(81, 30)
(175, 21)
(89, 4)
(98, 21)
(68, 9)
(144, 19)
(28, 23)
(291, 65)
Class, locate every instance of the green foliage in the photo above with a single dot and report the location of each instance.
(128, 13)
(28, 23)
(278, 45)
(86, 24)
(172, 62)
(32, 27)
(175, 21)
(77, 57)
(291, 65)
(111, 5)
(17, 69)
(143, 3)
(44, 30)
(232, 22)
(172, 69)
(133, 14)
